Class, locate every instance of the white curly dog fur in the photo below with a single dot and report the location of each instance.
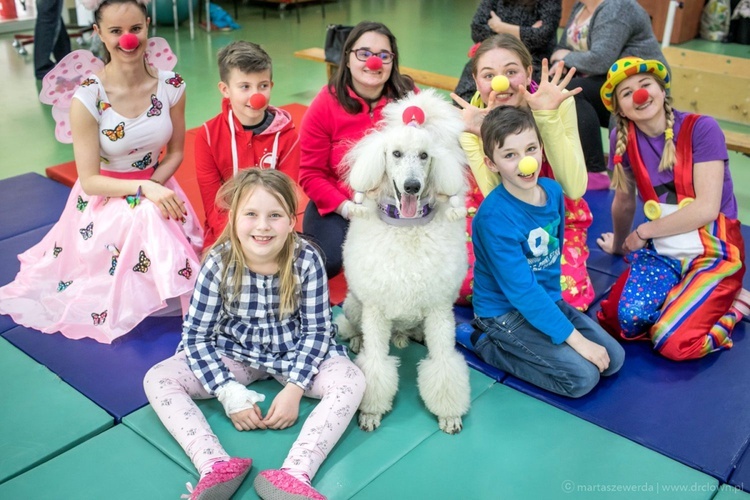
(403, 279)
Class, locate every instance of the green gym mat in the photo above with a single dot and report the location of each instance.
(359, 456)
(117, 464)
(727, 492)
(515, 447)
(41, 416)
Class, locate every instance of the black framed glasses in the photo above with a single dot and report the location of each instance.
(364, 54)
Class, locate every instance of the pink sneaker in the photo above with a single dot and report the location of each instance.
(598, 181)
(223, 480)
(276, 484)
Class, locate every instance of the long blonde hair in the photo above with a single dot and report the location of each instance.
(228, 199)
(668, 156)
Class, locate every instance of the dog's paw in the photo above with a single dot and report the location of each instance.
(355, 343)
(360, 211)
(449, 425)
(401, 339)
(417, 334)
(455, 214)
(368, 422)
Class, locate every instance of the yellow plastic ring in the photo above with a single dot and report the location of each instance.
(652, 210)
(685, 202)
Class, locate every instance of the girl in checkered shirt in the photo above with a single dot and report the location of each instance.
(260, 309)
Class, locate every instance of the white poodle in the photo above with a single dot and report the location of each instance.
(405, 255)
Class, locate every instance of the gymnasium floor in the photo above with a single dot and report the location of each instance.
(656, 430)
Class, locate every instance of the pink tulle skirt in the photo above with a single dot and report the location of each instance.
(104, 267)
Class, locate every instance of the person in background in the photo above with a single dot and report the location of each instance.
(597, 33)
(50, 36)
(534, 22)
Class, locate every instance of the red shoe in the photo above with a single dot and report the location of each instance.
(223, 480)
(276, 484)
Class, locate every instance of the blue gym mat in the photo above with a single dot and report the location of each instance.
(600, 203)
(29, 201)
(111, 375)
(602, 282)
(41, 415)
(9, 265)
(741, 475)
(697, 412)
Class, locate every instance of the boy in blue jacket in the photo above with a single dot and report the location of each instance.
(523, 325)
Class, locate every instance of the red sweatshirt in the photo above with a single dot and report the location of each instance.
(216, 157)
(326, 135)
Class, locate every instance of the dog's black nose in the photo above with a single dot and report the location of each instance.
(412, 186)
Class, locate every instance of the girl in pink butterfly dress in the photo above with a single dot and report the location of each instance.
(127, 239)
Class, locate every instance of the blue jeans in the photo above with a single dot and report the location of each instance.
(328, 233)
(50, 36)
(510, 343)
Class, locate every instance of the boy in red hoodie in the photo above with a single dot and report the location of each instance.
(247, 133)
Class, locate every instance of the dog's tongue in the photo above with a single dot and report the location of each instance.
(408, 205)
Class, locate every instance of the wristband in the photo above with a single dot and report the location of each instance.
(639, 235)
(235, 397)
(345, 209)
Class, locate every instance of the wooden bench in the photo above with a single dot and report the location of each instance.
(428, 78)
(716, 85)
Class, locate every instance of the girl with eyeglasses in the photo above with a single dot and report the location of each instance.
(343, 111)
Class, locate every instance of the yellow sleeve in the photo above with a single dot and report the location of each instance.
(562, 145)
(485, 178)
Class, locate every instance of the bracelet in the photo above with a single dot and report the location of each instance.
(156, 181)
(639, 235)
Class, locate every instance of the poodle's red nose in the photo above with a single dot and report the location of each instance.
(374, 63)
(128, 41)
(640, 96)
(258, 101)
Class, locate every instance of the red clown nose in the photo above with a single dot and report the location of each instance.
(128, 41)
(258, 101)
(640, 96)
(374, 63)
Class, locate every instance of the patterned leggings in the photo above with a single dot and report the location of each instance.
(171, 388)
